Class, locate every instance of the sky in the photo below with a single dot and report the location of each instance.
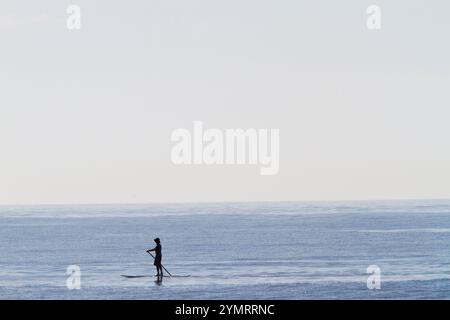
(86, 115)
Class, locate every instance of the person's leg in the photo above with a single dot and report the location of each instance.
(157, 270)
(161, 270)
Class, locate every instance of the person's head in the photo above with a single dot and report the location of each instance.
(157, 240)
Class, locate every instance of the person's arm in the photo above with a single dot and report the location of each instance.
(151, 249)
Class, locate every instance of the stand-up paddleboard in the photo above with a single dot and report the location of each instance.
(143, 276)
(147, 276)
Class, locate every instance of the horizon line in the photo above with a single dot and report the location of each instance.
(216, 202)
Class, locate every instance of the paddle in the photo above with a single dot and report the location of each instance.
(161, 264)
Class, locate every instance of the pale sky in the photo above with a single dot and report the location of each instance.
(86, 116)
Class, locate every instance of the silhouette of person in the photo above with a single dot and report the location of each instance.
(158, 257)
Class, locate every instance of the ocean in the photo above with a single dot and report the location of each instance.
(274, 250)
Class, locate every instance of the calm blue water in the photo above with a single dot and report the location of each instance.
(232, 251)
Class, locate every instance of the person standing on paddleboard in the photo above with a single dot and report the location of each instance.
(158, 257)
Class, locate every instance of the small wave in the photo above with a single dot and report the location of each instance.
(419, 230)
